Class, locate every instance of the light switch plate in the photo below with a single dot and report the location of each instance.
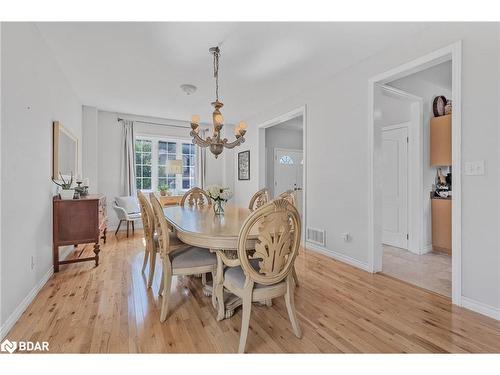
(474, 168)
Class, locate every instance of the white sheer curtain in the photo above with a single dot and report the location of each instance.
(201, 161)
(128, 158)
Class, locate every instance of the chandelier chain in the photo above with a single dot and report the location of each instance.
(216, 143)
(216, 74)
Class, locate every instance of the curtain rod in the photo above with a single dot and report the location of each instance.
(157, 123)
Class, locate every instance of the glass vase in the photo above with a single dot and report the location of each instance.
(219, 207)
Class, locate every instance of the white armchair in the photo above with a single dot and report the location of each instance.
(127, 209)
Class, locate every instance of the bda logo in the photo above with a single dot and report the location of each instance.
(24, 346)
(8, 346)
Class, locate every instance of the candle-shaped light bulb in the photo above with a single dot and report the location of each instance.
(242, 125)
(218, 119)
(237, 131)
(195, 119)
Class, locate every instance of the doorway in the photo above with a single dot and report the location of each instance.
(395, 185)
(284, 157)
(282, 142)
(387, 178)
(288, 173)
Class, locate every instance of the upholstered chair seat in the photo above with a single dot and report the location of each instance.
(192, 257)
(234, 279)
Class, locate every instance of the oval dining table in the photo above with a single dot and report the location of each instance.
(201, 227)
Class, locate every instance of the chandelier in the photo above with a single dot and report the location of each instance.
(215, 142)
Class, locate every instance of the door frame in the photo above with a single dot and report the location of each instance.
(416, 205)
(451, 52)
(299, 111)
(404, 125)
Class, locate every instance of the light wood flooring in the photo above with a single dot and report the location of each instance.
(431, 271)
(108, 309)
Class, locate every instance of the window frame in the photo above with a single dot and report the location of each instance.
(155, 139)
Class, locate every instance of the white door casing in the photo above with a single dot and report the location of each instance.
(395, 186)
(451, 52)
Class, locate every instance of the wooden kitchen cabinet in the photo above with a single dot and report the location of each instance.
(440, 140)
(441, 224)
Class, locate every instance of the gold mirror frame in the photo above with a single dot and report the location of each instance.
(57, 130)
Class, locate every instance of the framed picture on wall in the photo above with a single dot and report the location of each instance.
(244, 165)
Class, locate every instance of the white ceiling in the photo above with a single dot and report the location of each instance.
(138, 67)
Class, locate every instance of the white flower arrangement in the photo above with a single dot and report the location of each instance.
(219, 193)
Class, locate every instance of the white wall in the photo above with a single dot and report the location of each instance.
(390, 109)
(416, 85)
(89, 147)
(337, 144)
(278, 137)
(34, 94)
(107, 152)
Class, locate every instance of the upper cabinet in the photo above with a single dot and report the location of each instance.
(440, 134)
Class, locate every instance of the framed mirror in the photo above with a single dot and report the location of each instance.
(65, 152)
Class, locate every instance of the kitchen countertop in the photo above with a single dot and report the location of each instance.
(438, 197)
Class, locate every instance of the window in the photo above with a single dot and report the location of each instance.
(166, 151)
(286, 160)
(154, 170)
(188, 165)
(143, 164)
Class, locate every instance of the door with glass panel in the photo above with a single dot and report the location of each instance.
(288, 173)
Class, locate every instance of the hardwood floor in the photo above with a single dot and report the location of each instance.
(340, 308)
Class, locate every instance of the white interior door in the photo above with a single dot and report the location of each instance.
(395, 186)
(288, 173)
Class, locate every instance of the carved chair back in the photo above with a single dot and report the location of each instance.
(277, 245)
(259, 199)
(162, 227)
(196, 197)
(289, 195)
(147, 217)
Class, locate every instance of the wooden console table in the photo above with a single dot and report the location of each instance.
(78, 221)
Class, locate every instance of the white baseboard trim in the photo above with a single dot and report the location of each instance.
(338, 256)
(427, 249)
(481, 308)
(14, 317)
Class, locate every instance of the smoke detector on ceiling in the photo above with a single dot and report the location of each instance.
(188, 89)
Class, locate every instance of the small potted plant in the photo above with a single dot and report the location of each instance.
(220, 195)
(66, 191)
(164, 190)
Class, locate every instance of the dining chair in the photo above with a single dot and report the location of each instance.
(151, 248)
(196, 197)
(266, 273)
(126, 209)
(187, 261)
(259, 199)
(289, 195)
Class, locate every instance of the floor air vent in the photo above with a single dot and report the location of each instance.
(316, 236)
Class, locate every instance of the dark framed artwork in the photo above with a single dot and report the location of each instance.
(244, 165)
